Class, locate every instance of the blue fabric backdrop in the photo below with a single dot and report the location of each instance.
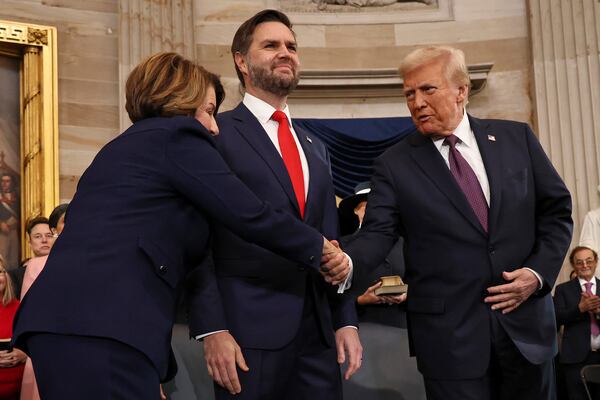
(354, 144)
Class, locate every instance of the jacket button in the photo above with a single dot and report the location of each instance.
(162, 269)
(311, 258)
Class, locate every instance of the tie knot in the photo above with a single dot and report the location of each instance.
(451, 140)
(588, 286)
(279, 116)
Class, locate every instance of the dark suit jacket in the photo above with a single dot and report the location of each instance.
(393, 264)
(255, 294)
(450, 260)
(137, 225)
(576, 335)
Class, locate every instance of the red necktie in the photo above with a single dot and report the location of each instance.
(291, 157)
(594, 328)
(468, 182)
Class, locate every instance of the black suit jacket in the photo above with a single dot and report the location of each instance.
(576, 334)
(137, 225)
(450, 260)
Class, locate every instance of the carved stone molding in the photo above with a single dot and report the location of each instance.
(308, 12)
(383, 82)
(37, 36)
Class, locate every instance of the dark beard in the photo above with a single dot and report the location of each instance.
(268, 81)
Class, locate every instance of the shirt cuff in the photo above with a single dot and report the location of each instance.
(348, 326)
(200, 337)
(539, 278)
(348, 281)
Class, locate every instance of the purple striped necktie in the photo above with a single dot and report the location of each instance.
(468, 182)
(594, 328)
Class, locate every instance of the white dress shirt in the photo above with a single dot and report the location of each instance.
(263, 112)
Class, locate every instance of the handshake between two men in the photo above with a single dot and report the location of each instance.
(335, 266)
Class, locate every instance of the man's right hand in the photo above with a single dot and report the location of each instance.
(4, 228)
(222, 355)
(588, 302)
(335, 266)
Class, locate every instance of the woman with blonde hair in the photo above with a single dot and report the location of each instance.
(101, 311)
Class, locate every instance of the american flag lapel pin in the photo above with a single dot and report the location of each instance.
(309, 140)
(491, 138)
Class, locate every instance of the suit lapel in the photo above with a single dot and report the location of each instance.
(314, 170)
(252, 131)
(489, 143)
(431, 162)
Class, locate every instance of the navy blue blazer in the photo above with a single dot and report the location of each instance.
(137, 225)
(450, 260)
(256, 294)
(576, 335)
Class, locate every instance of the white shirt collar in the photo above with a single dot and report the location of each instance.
(463, 132)
(261, 109)
(583, 281)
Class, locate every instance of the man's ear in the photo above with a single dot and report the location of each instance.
(463, 93)
(240, 61)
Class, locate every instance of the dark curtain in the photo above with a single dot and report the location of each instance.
(354, 144)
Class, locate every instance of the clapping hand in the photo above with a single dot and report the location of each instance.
(334, 263)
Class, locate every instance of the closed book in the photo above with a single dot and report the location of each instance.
(391, 285)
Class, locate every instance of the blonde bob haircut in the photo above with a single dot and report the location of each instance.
(455, 66)
(9, 291)
(165, 85)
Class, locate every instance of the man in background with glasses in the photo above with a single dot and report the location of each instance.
(578, 308)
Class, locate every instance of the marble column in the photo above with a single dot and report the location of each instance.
(148, 27)
(565, 38)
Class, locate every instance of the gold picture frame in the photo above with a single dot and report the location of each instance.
(35, 47)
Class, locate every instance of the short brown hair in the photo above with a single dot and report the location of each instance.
(577, 250)
(455, 65)
(35, 221)
(164, 85)
(9, 290)
(243, 36)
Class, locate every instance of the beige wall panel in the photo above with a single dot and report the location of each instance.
(68, 185)
(389, 57)
(474, 10)
(229, 10)
(216, 33)
(81, 22)
(72, 66)
(106, 45)
(359, 36)
(88, 5)
(349, 108)
(509, 88)
(85, 115)
(89, 92)
(74, 137)
(216, 59)
(461, 31)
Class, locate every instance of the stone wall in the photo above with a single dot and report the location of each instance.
(88, 68)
